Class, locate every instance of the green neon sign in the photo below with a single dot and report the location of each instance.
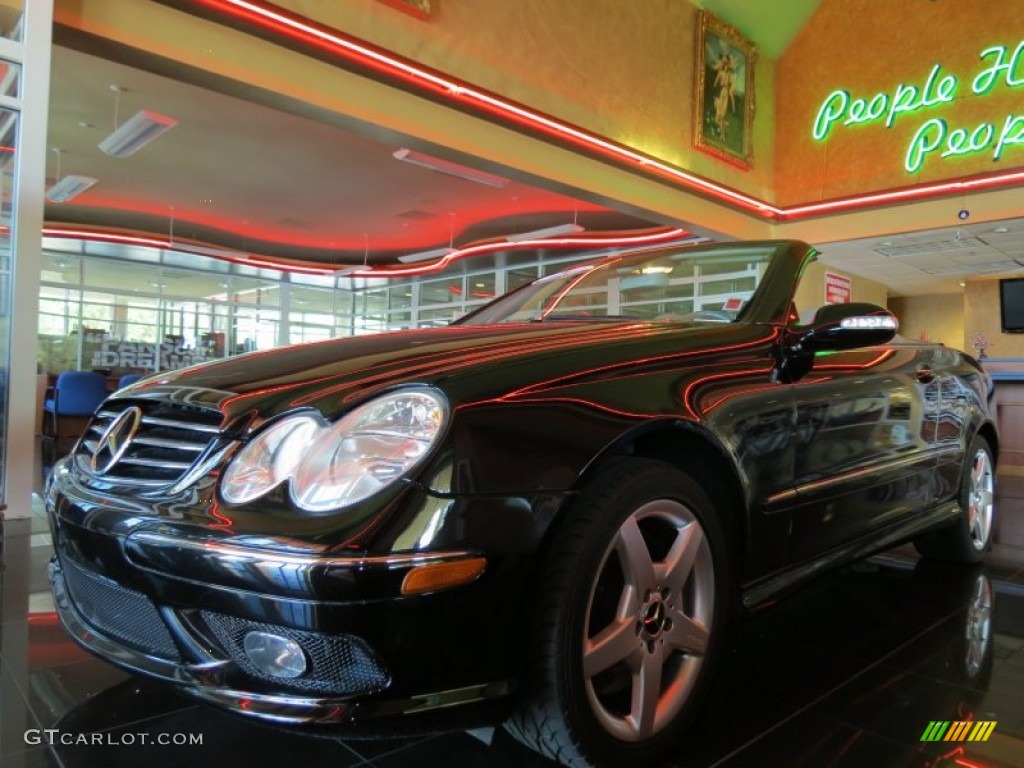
(935, 138)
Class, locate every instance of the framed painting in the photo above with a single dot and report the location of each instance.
(724, 112)
(421, 9)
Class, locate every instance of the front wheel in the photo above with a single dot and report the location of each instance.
(970, 537)
(631, 603)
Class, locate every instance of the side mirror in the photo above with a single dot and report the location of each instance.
(847, 326)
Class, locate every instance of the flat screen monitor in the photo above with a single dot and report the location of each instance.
(1011, 304)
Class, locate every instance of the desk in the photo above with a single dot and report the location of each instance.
(1008, 378)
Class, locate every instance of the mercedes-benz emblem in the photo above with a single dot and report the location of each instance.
(115, 439)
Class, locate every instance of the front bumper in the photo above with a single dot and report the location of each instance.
(204, 680)
(172, 601)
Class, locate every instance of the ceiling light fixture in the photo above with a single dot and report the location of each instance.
(68, 187)
(540, 234)
(448, 167)
(136, 132)
(433, 253)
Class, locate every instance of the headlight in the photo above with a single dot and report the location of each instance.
(336, 465)
(268, 459)
(368, 449)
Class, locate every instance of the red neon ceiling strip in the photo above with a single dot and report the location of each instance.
(424, 79)
(662, 236)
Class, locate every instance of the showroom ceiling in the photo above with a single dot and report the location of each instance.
(241, 175)
(237, 174)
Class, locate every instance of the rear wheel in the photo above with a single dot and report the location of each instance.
(970, 537)
(631, 604)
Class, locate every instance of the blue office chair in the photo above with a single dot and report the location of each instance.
(74, 393)
(128, 378)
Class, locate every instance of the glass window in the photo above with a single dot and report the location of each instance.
(370, 312)
(481, 287)
(11, 18)
(312, 314)
(256, 315)
(443, 291)
(10, 82)
(518, 277)
(433, 318)
(400, 297)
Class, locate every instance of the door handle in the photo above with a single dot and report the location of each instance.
(925, 375)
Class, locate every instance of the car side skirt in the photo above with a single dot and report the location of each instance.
(771, 586)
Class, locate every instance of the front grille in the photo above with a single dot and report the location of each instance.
(170, 437)
(338, 664)
(121, 613)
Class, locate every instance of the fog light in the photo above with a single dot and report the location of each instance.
(275, 655)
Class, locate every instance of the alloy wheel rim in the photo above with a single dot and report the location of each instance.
(980, 500)
(647, 626)
(978, 630)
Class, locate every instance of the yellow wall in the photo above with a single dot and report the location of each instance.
(939, 317)
(811, 293)
(622, 70)
(871, 46)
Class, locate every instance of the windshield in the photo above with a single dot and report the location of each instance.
(685, 284)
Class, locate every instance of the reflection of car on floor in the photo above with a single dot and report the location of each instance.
(557, 500)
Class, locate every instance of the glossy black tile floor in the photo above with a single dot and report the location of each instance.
(849, 672)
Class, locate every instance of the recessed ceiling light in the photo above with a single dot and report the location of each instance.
(1001, 230)
(885, 243)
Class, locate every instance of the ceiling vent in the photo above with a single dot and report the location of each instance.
(936, 246)
(1007, 265)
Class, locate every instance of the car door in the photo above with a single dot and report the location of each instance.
(865, 441)
(952, 414)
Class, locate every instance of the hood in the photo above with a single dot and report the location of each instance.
(467, 362)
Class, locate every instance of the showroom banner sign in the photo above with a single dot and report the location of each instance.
(133, 354)
(838, 288)
(939, 137)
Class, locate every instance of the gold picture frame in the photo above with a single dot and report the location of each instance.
(724, 110)
(421, 9)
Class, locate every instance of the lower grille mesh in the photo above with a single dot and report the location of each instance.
(121, 613)
(338, 664)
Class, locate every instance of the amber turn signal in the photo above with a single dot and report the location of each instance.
(429, 578)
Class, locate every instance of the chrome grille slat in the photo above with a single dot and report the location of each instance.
(180, 465)
(173, 424)
(171, 436)
(179, 445)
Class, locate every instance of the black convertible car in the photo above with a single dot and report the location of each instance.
(557, 501)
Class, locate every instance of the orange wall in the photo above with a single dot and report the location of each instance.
(869, 47)
(939, 317)
(623, 70)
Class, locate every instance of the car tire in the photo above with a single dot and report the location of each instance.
(970, 536)
(629, 612)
